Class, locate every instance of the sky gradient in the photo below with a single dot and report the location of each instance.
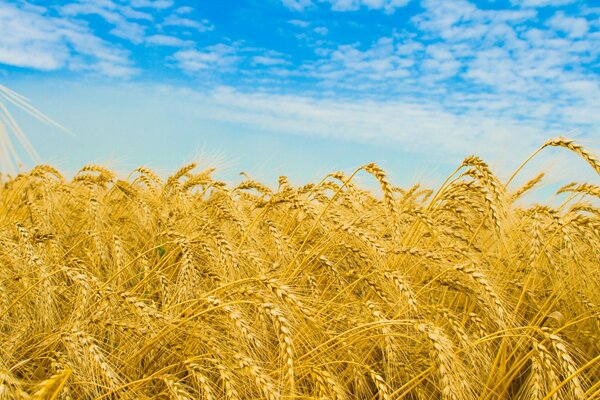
(306, 87)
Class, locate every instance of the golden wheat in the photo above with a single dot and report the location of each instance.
(185, 288)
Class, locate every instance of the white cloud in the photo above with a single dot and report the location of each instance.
(130, 31)
(455, 20)
(297, 5)
(299, 23)
(131, 21)
(501, 50)
(440, 63)
(157, 4)
(268, 61)
(321, 30)
(349, 64)
(30, 38)
(202, 25)
(135, 14)
(488, 63)
(541, 3)
(166, 40)
(428, 130)
(388, 6)
(118, 16)
(220, 56)
(573, 27)
(184, 10)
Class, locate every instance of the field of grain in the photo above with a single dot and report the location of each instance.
(191, 289)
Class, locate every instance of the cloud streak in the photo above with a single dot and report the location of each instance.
(429, 132)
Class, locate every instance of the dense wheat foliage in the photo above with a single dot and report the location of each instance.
(191, 289)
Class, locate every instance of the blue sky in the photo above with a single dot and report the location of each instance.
(305, 87)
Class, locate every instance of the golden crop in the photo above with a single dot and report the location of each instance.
(190, 289)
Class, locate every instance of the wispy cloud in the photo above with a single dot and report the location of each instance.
(573, 27)
(269, 60)
(321, 30)
(388, 6)
(542, 3)
(177, 21)
(184, 10)
(297, 5)
(220, 57)
(63, 36)
(136, 22)
(501, 51)
(156, 4)
(166, 40)
(430, 132)
(349, 65)
(502, 60)
(31, 38)
(299, 23)
(121, 17)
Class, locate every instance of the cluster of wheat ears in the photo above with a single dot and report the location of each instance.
(191, 289)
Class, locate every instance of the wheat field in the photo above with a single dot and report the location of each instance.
(187, 288)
